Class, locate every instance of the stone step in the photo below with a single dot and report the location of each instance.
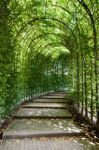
(58, 94)
(54, 97)
(42, 117)
(42, 112)
(46, 105)
(42, 128)
(45, 100)
(42, 122)
(73, 143)
(26, 134)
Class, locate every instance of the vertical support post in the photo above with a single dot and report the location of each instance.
(85, 84)
(91, 77)
(97, 88)
(82, 57)
(96, 54)
(78, 87)
(72, 72)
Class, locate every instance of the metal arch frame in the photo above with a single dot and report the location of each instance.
(46, 44)
(66, 10)
(42, 36)
(43, 18)
(63, 8)
(95, 50)
(62, 44)
(51, 45)
(39, 19)
(47, 34)
(44, 32)
(58, 43)
(39, 38)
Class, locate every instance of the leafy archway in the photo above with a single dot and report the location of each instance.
(47, 46)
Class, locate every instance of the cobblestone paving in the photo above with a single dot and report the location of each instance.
(49, 144)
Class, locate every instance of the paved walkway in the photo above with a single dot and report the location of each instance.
(45, 124)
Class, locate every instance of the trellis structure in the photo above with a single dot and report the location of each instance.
(49, 45)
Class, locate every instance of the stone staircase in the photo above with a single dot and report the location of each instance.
(45, 117)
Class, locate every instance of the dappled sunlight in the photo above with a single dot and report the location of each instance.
(42, 112)
(52, 125)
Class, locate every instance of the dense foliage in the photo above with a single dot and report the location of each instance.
(49, 45)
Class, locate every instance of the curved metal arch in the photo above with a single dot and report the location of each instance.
(60, 36)
(41, 36)
(45, 34)
(49, 44)
(41, 56)
(44, 18)
(41, 26)
(42, 42)
(64, 9)
(84, 16)
(59, 44)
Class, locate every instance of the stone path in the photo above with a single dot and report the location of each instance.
(45, 124)
(49, 144)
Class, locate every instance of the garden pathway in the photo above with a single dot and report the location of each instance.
(45, 124)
